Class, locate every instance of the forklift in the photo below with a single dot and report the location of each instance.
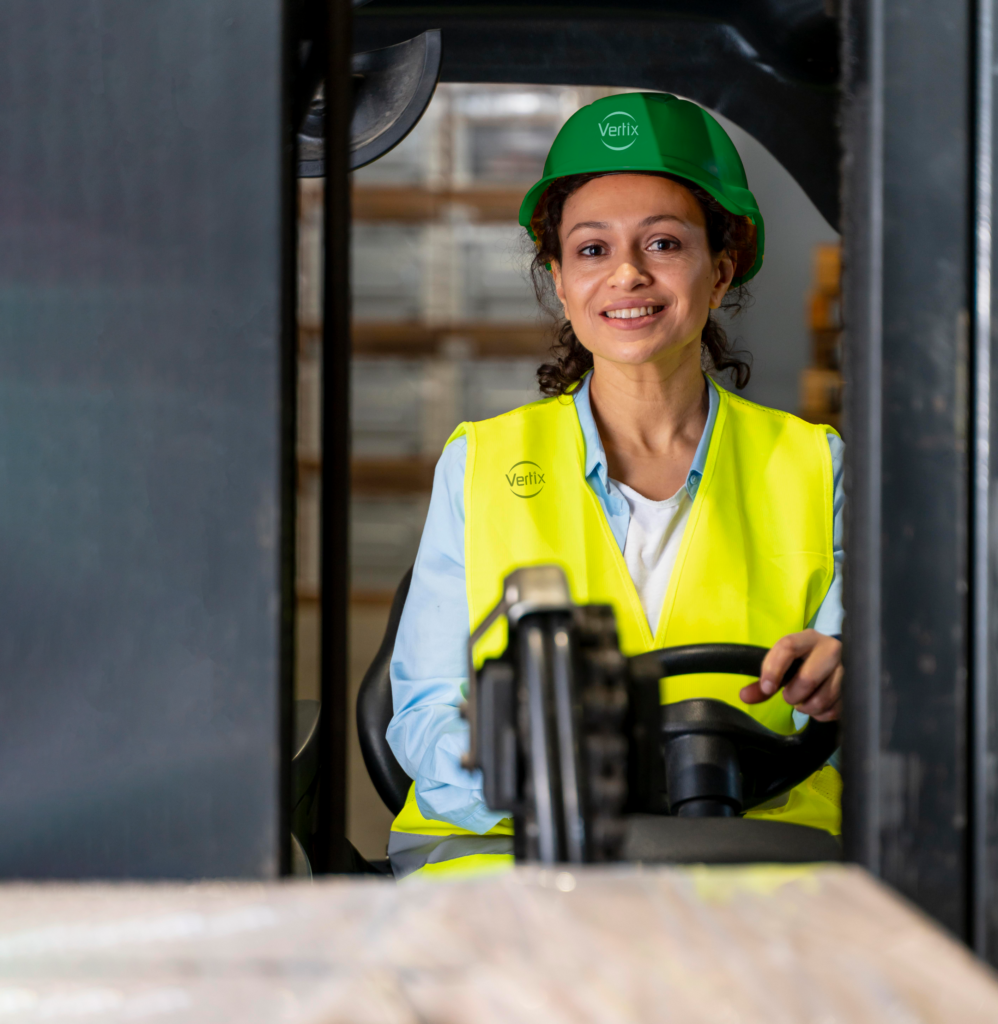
(150, 156)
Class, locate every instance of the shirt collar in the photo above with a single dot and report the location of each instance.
(596, 456)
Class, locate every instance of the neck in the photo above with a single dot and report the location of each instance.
(650, 419)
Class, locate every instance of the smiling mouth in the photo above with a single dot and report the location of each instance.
(631, 314)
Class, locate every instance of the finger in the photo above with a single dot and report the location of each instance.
(826, 696)
(818, 666)
(779, 661)
(832, 715)
(781, 656)
(819, 702)
(754, 692)
(775, 666)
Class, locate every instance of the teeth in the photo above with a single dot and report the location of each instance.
(629, 314)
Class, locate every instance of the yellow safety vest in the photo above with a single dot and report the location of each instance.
(754, 564)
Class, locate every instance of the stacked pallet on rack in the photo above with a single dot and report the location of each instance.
(821, 383)
(445, 323)
(445, 328)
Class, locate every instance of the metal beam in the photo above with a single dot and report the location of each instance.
(332, 850)
(983, 733)
(145, 159)
(908, 209)
(705, 60)
(863, 208)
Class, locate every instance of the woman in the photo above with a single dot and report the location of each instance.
(697, 515)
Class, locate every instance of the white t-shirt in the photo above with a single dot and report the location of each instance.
(653, 538)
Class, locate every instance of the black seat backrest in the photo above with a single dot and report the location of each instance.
(374, 712)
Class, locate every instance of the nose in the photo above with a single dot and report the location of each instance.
(627, 276)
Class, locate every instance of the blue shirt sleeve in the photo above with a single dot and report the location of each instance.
(428, 668)
(828, 619)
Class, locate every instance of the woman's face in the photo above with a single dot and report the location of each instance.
(637, 277)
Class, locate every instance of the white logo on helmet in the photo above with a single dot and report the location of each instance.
(620, 134)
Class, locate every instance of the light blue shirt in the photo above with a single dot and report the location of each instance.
(428, 667)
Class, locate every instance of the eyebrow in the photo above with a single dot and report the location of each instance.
(598, 225)
(601, 225)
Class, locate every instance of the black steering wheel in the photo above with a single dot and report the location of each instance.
(718, 760)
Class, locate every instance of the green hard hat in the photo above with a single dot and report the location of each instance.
(652, 131)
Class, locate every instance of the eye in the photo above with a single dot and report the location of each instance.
(592, 250)
(664, 245)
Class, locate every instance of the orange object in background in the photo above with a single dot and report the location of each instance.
(821, 382)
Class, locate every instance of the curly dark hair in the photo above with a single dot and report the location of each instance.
(571, 359)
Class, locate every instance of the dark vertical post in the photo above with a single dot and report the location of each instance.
(291, 59)
(144, 270)
(863, 218)
(984, 577)
(330, 841)
(909, 197)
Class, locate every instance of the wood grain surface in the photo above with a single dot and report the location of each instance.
(774, 945)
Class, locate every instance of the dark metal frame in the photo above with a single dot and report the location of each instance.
(983, 734)
(289, 434)
(653, 46)
(147, 366)
(331, 848)
(862, 283)
(919, 800)
(917, 126)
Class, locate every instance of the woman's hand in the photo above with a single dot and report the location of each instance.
(816, 690)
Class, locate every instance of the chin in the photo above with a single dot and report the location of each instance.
(634, 353)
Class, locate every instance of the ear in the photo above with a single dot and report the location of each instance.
(559, 289)
(724, 273)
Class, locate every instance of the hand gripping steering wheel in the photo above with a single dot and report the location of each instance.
(719, 761)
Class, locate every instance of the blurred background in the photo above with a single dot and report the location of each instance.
(446, 328)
